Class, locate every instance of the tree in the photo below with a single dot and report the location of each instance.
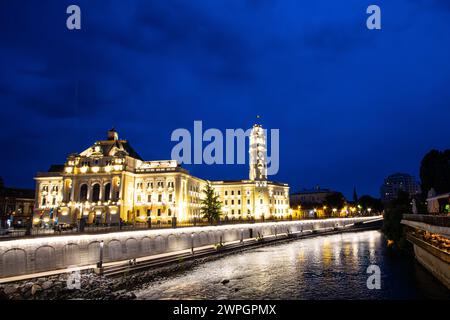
(335, 200)
(210, 205)
(367, 202)
(435, 172)
(392, 228)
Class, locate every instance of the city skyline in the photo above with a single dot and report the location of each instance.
(62, 87)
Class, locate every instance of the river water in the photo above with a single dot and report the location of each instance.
(325, 267)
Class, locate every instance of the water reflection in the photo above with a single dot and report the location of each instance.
(330, 267)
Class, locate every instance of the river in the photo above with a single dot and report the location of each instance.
(325, 267)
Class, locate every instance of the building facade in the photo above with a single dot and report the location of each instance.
(310, 197)
(16, 206)
(398, 182)
(109, 182)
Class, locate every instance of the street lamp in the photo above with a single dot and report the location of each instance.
(369, 209)
(99, 269)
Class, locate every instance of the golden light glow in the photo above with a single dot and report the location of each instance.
(69, 169)
(95, 169)
(83, 169)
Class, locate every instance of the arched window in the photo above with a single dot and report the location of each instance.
(107, 191)
(83, 192)
(96, 192)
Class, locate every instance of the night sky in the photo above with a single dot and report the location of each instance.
(352, 105)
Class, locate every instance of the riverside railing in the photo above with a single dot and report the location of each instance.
(442, 220)
(8, 234)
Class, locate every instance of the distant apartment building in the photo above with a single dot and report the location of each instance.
(16, 205)
(398, 182)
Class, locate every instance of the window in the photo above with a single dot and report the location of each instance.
(170, 184)
(54, 201)
(149, 198)
(83, 192)
(169, 212)
(149, 212)
(159, 212)
(170, 197)
(44, 201)
(226, 192)
(226, 202)
(239, 201)
(159, 197)
(232, 192)
(248, 201)
(239, 192)
(260, 201)
(96, 193)
(232, 202)
(239, 211)
(232, 211)
(107, 191)
(139, 198)
(149, 185)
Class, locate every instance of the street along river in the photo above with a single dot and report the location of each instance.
(324, 267)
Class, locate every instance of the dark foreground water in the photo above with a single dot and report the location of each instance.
(326, 267)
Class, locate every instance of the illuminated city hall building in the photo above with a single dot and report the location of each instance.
(109, 182)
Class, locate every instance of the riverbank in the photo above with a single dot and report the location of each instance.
(95, 287)
(316, 268)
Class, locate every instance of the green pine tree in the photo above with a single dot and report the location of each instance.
(211, 206)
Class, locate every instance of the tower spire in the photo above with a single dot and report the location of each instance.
(258, 153)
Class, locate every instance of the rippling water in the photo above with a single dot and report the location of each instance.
(326, 267)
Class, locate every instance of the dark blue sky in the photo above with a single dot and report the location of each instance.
(352, 105)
